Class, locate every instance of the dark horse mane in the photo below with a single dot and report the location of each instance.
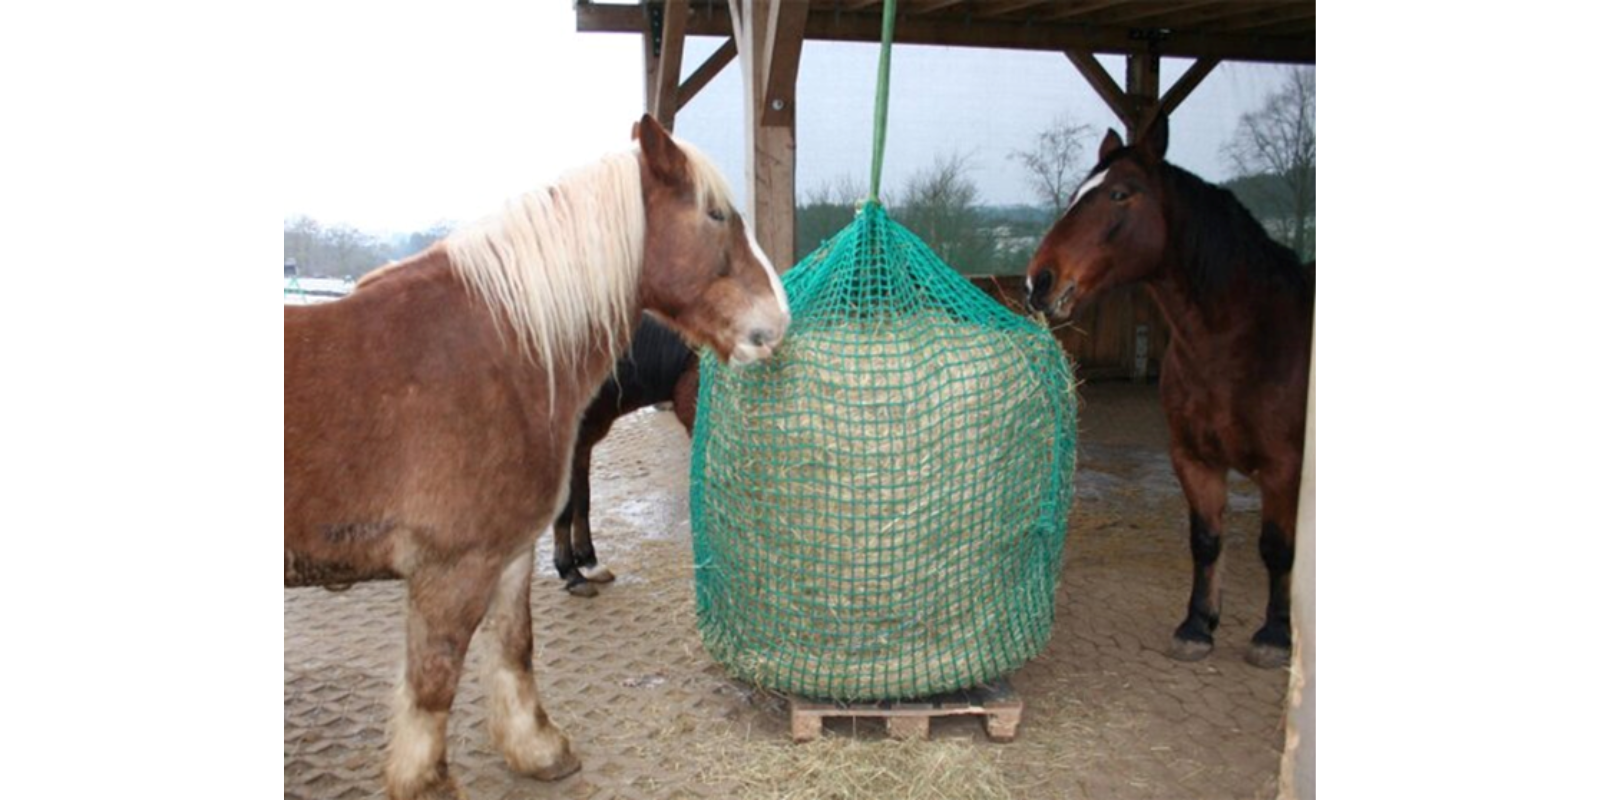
(1198, 211)
(1210, 260)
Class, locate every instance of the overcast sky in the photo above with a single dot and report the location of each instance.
(402, 116)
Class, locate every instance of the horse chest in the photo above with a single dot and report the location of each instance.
(1206, 421)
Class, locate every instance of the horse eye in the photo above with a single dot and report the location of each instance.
(1118, 195)
(716, 214)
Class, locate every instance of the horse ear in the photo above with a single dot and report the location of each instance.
(1154, 141)
(1109, 144)
(663, 156)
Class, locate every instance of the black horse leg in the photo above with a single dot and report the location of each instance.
(1206, 488)
(582, 545)
(1280, 505)
(565, 567)
(580, 550)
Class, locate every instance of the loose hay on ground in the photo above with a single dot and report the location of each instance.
(846, 768)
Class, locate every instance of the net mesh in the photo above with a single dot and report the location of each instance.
(879, 509)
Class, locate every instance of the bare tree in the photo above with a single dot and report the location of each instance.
(350, 252)
(940, 205)
(826, 210)
(1052, 164)
(302, 240)
(1280, 140)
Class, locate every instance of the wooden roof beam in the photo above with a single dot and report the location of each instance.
(1169, 14)
(1074, 10)
(826, 25)
(1211, 19)
(934, 5)
(721, 57)
(1268, 17)
(674, 26)
(1185, 84)
(1105, 86)
(1002, 9)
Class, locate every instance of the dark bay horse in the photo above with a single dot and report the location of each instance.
(657, 368)
(429, 417)
(1233, 382)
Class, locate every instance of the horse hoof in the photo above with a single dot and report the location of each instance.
(444, 788)
(584, 589)
(601, 575)
(1267, 656)
(1188, 649)
(564, 766)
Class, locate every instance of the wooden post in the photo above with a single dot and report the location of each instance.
(1144, 92)
(769, 35)
(652, 53)
(1103, 85)
(669, 62)
(1297, 775)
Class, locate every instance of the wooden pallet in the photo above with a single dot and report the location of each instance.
(908, 719)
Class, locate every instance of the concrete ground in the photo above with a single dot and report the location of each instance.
(1107, 714)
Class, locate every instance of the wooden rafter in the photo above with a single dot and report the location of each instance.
(714, 63)
(828, 23)
(934, 5)
(1003, 9)
(1103, 85)
(1212, 18)
(1185, 84)
(1168, 14)
(674, 26)
(1075, 10)
(1267, 18)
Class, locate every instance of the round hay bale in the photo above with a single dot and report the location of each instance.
(879, 510)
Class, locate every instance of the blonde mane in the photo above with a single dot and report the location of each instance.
(564, 261)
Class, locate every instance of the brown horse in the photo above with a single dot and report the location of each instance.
(1233, 383)
(429, 417)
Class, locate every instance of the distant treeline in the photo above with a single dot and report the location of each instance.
(342, 251)
(939, 205)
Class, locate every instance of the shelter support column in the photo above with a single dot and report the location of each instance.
(1138, 105)
(769, 35)
(1144, 90)
(1297, 774)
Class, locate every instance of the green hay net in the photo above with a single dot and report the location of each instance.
(879, 510)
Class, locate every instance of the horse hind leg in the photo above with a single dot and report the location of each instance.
(518, 726)
(444, 607)
(588, 570)
(565, 562)
(1280, 502)
(1206, 489)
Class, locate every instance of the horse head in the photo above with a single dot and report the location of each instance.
(704, 274)
(1113, 232)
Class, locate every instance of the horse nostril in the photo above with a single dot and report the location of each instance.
(1041, 290)
(761, 336)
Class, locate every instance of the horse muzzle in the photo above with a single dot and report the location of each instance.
(759, 340)
(1039, 293)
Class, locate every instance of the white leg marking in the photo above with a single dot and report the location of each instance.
(416, 745)
(529, 741)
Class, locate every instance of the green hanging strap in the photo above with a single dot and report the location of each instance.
(880, 118)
